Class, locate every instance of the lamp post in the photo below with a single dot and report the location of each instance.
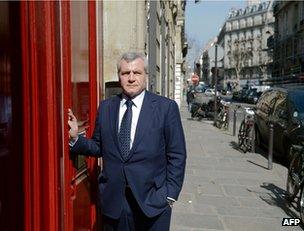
(215, 84)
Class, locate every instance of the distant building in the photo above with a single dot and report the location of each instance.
(244, 35)
(288, 44)
(208, 63)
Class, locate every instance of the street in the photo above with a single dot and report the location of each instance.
(225, 189)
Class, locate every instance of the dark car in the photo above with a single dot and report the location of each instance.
(239, 95)
(223, 91)
(252, 96)
(284, 108)
(235, 95)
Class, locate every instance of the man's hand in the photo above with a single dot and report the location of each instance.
(73, 132)
(170, 201)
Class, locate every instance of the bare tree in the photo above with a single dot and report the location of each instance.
(193, 50)
(240, 56)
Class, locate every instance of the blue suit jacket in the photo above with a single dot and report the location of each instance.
(156, 164)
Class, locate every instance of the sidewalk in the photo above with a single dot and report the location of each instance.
(225, 189)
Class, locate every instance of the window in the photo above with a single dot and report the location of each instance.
(280, 106)
(249, 21)
(243, 23)
(258, 20)
(235, 25)
(228, 26)
(267, 101)
(80, 67)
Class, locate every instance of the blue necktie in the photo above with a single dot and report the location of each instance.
(124, 135)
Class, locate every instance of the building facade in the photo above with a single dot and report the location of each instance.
(288, 44)
(208, 63)
(244, 35)
(155, 28)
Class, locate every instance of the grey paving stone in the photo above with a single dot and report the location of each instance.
(239, 191)
(255, 224)
(217, 200)
(183, 207)
(237, 169)
(249, 182)
(197, 221)
(204, 167)
(176, 228)
(273, 212)
(204, 229)
(204, 209)
(197, 179)
(210, 189)
(228, 190)
(222, 160)
(225, 181)
(202, 160)
(185, 197)
(252, 202)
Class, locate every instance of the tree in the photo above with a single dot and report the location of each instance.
(194, 50)
(240, 56)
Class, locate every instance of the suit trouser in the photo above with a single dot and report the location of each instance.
(133, 219)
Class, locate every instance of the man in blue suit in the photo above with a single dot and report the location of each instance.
(140, 137)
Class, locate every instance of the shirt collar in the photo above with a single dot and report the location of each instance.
(137, 100)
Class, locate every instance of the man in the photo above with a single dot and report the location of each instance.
(139, 135)
(193, 89)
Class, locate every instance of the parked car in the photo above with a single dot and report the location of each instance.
(284, 108)
(244, 94)
(223, 91)
(252, 96)
(235, 95)
(239, 95)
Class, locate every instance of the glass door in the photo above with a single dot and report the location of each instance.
(80, 94)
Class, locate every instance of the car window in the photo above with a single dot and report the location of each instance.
(280, 107)
(297, 103)
(267, 101)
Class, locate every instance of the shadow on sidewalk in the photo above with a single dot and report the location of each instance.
(259, 151)
(276, 197)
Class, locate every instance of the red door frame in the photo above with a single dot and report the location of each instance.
(67, 101)
(92, 162)
(40, 108)
(47, 197)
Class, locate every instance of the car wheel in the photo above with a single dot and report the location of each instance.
(293, 180)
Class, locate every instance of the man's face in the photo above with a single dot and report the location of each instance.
(132, 77)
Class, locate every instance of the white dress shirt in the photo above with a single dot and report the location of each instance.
(137, 104)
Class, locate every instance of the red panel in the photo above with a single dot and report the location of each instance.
(45, 134)
(92, 58)
(67, 96)
(92, 163)
(26, 118)
(40, 84)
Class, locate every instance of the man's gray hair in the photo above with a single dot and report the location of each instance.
(131, 56)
